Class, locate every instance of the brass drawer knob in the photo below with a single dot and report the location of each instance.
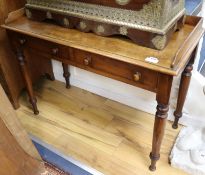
(137, 76)
(22, 41)
(87, 61)
(55, 51)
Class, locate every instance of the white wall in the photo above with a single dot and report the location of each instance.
(138, 98)
(109, 88)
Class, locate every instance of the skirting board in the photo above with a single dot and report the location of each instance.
(60, 160)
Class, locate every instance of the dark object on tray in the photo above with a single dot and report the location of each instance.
(149, 23)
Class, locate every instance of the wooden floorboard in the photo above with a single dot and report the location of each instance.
(112, 138)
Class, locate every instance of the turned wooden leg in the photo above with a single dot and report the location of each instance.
(159, 127)
(50, 76)
(183, 89)
(163, 95)
(66, 75)
(27, 79)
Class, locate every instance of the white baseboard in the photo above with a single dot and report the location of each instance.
(64, 156)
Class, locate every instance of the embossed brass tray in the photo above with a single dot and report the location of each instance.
(149, 23)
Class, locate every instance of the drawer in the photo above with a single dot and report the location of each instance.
(119, 70)
(49, 48)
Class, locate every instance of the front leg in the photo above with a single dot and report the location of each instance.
(26, 76)
(163, 96)
(66, 75)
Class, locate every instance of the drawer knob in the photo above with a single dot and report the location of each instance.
(55, 51)
(137, 76)
(22, 41)
(87, 61)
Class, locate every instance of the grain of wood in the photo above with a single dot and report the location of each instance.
(103, 134)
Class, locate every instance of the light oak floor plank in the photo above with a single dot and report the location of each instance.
(111, 137)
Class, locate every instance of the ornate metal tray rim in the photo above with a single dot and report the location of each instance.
(108, 21)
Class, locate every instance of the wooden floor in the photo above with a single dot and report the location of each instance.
(113, 138)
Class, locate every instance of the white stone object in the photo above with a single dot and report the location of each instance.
(198, 156)
(192, 140)
(187, 157)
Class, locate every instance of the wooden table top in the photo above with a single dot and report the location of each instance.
(171, 60)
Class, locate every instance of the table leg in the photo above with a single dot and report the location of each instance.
(183, 89)
(25, 73)
(66, 75)
(163, 96)
(50, 76)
